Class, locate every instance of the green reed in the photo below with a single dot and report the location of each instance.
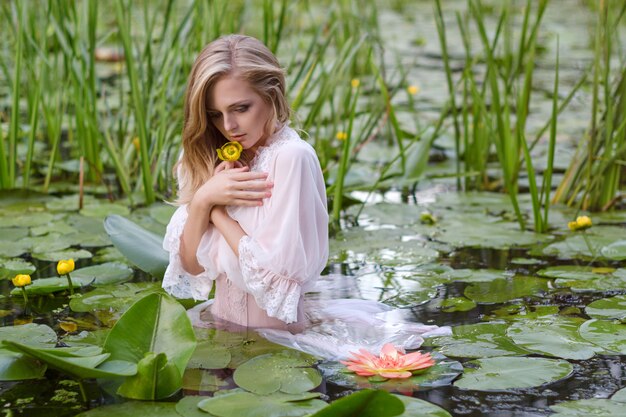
(592, 180)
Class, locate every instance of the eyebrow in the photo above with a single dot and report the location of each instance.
(236, 104)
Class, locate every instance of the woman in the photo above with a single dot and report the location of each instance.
(258, 226)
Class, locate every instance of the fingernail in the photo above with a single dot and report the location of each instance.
(268, 194)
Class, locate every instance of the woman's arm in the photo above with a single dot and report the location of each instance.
(229, 228)
(234, 186)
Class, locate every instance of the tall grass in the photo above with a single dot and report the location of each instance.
(592, 180)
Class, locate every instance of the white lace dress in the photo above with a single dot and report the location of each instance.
(280, 258)
(284, 250)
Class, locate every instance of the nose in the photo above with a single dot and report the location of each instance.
(230, 122)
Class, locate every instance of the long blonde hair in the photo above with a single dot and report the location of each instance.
(251, 61)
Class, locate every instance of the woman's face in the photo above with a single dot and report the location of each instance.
(239, 112)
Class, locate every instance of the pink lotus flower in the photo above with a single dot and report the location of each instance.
(392, 363)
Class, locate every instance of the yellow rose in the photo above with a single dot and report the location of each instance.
(21, 280)
(230, 151)
(65, 266)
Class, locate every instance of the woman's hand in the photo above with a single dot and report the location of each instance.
(232, 185)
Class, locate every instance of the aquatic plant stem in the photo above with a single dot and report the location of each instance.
(25, 295)
(69, 283)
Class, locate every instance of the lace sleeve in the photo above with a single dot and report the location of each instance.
(289, 247)
(178, 282)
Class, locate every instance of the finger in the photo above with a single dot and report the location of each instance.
(247, 203)
(255, 185)
(246, 176)
(252, 195)
(238, 164)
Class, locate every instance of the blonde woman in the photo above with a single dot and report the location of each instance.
(257, 227)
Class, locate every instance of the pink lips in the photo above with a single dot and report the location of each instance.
(237, 137)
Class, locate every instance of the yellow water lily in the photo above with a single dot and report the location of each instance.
(581, 223)
(413, 89)
(230, 151)
(21, 280)
(355, 82)
(341, 136)
(65, 266)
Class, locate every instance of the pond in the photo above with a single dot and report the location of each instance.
(537, 319)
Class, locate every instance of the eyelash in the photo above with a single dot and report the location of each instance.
(241, 109)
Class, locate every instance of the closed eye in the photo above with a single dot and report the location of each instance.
(242, 109)
(214, 115)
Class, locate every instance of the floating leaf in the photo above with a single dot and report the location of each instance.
(288, 371)
(608, 308)
(31, 334)
(78, 366)
(64, 254)
(443, 373)
(114, 298)
(501, 290)
(246, 404)
(365, 403)
(556, 337)
(209, 355)
(615, 251)
(587, 408)
(455, 304)
(188, 406)
(503, 373)
(141, 247)
(10, 268)
(202, 380)
(478, 340)
(15, 366)
(414, 407)
(611, 335)
(586, 278)
(619, 396)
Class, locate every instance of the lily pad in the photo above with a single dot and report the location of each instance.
(619, 396)
(611, 335)
(202, 380)
(209, 355)
(585, 278)
(188, 406)
(364, 403)
(414, 407)
(480, 340)
(583, 245)
(454, 304)
(115, 298)
(10, 249)
(289, 372)
(10, 268)
(247, 404)
(12, 234)
(503, 373)
(557, 337)
(587, 408)
(615, 251)
(501, 290)
(16, 366)
(64, 254)
(608, 308)
(101, 210)
(441, 374)
(33, 334)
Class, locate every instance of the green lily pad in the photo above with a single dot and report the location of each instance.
(162, 213)
(557, 337)
(619, 396)
(611, 335)
(202, 380)
(414, 407)
(78, 366)
(100, 210)
(364, 403)
(477, 275)
(247, 404)
(74, 254)
(114, 298)
(607, 308)
(502, 373)
(454, 304)
(32, 334)
(10, 249)
(587, 408)
(134, 409)
(615, 251)
(501, 290)
(16, 366)
(209, 355)
(26, 219)
(289, 372)
(12, 234)
(583, 245)
(10, 268)
(478, 340)
(441, 374)
(188, 406)
(585, 278)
